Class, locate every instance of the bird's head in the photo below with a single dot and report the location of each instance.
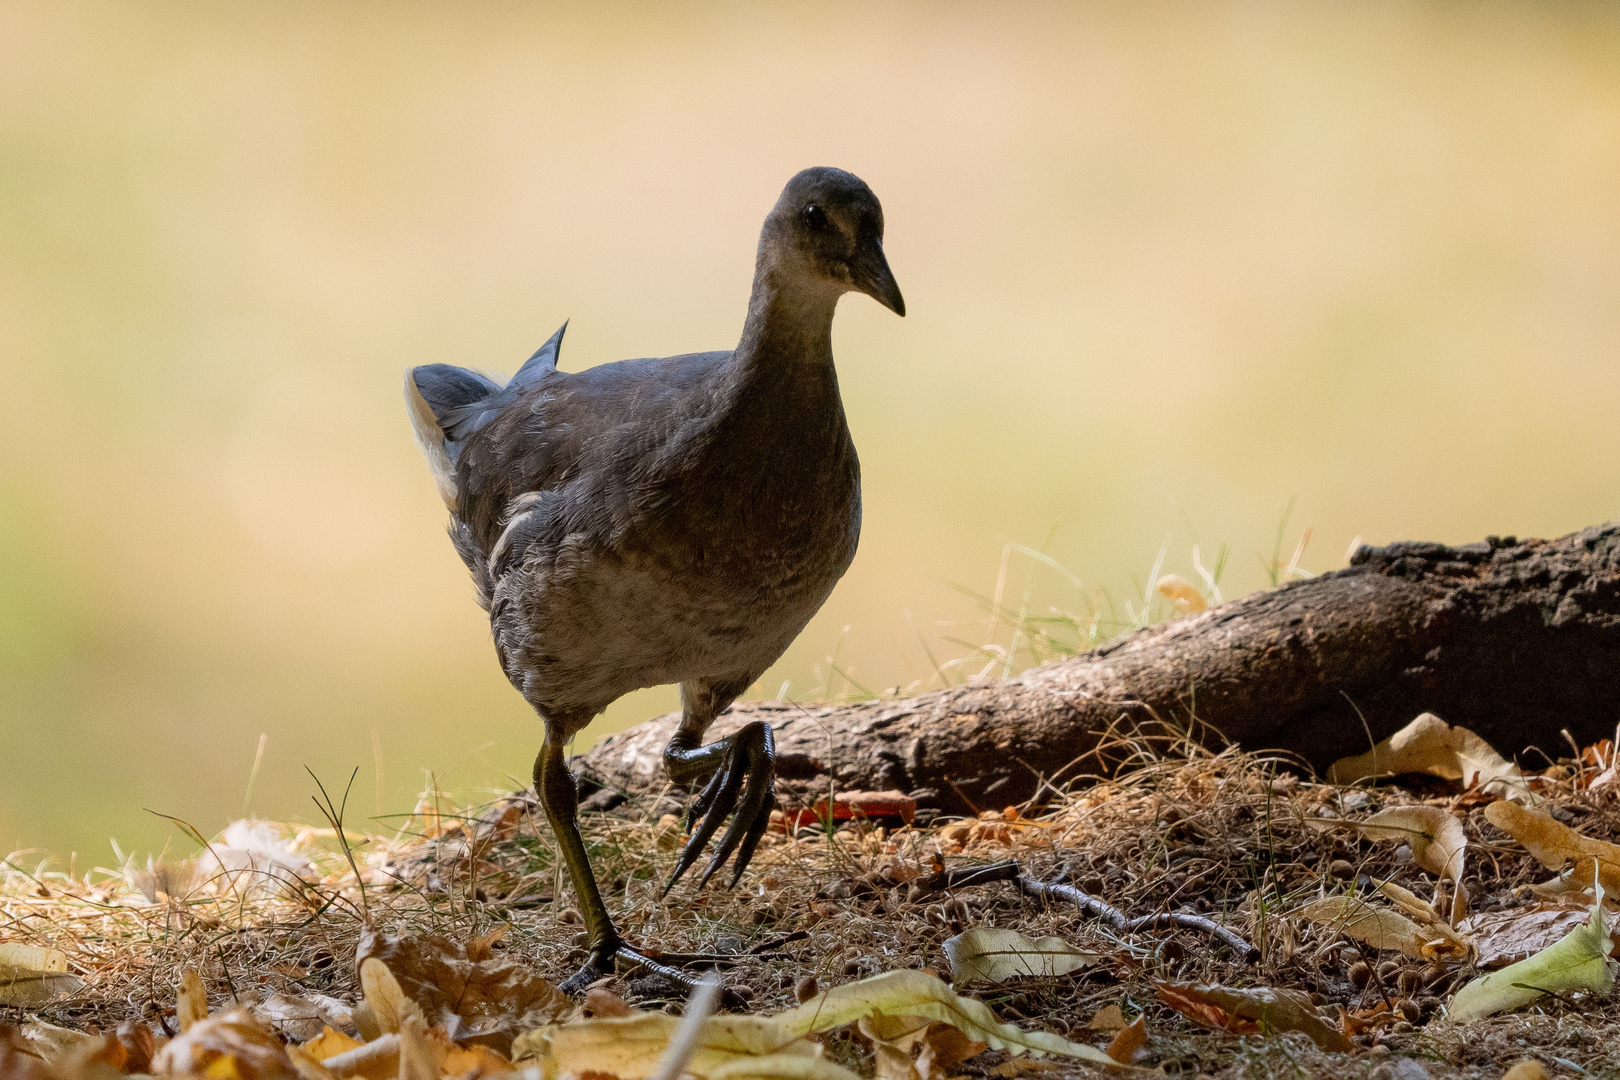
(828, 226)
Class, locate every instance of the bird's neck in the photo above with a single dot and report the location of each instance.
(789, 319)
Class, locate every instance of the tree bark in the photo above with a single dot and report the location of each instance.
(1519, 642)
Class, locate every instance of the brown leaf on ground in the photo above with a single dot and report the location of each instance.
(1385, 928)
(231, 1047)
(1556, 845)
(1200, 1011)
(913, 1048)
(480, 998)
(1436, 838)
(1430, 745)
(1506, 937)
(602, 1002)
(1130, 1044)
(1108, 1018)
(17, 1060)
(1265, 1008)
(1528, 1069)
(1360, 1021)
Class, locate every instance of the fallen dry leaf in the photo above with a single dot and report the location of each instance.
(33, 975)
(631, 1047)
(1108, 1018)
(913, 1048)
(18, 1061)
(988, 955)
(1200, 1011)
(300, 1018)
(1267, 1009)
(480, 997)
(1577, 961)
(1181, 593)
(600, 1001)
(1360, 1021)
(229, 1047)
(1130, 1044)
(781, 1067)
(1506, 937)
(1383, 928)
(916, 993)
(329, 1044)
(1436, 838)
(1430, 745)
(389, 1004)
(191, 1000)
(1556, 845)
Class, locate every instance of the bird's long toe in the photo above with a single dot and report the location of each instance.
(743, 789)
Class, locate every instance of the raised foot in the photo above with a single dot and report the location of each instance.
(742, 787)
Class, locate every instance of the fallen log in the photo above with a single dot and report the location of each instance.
(1518, 641)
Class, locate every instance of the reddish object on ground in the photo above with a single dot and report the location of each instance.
(856, 804)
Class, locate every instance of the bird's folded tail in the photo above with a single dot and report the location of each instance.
(448, 404)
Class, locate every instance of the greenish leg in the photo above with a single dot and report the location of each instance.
(560, 798)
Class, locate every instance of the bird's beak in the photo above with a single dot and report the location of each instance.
(874, 278)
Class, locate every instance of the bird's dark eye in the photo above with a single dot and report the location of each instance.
(815, 217)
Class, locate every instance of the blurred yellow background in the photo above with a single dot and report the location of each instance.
(1167, 266)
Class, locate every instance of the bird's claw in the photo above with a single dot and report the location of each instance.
(604, 961)
(742, 788)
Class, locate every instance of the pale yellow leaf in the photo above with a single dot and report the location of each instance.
(33, 975)
(388, 1002)
(630, 1047)
(987, 955)
(191, 1000)
(917, 993)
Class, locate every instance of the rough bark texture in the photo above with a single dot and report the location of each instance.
(1517, 641)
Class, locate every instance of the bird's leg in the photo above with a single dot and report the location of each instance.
(554, 786)
(742, 773)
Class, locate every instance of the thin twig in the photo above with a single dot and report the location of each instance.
(1091, 905)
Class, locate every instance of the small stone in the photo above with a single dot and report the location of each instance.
(1400, 1068)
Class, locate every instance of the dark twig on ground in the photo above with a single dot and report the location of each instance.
(1091, 905)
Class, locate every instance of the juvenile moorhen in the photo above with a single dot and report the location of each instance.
(674, 520)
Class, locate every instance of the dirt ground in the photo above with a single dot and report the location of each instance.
(1236, 838)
